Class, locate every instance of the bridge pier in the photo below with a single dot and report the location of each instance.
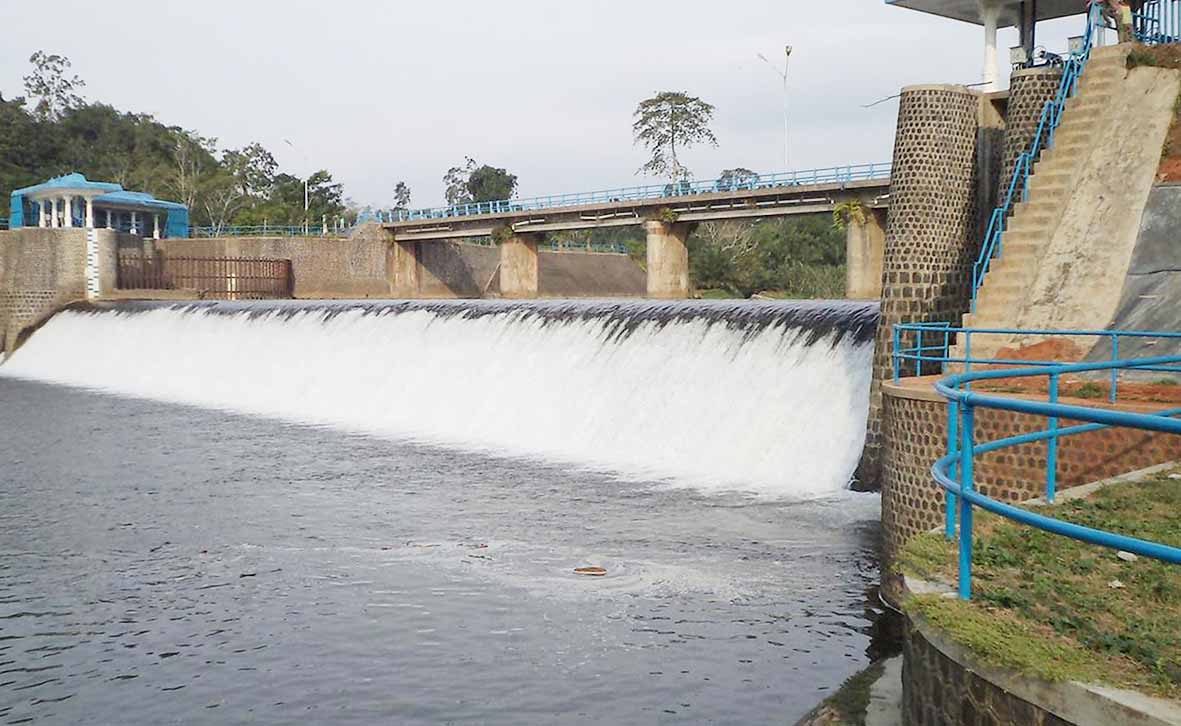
(518, 266)
(403, 269)
(865, 248)
(668, 259)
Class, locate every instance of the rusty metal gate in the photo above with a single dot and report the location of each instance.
(225, 278)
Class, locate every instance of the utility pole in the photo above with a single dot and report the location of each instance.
(786, 127)
(305, 186)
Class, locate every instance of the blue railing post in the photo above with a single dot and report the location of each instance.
(897, 353)
(967, 452)
(1052, 446)
(918, 344)
(1114, 370)
(953, 414)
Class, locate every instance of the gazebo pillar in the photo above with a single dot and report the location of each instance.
(155, 226)
(68, 211)
(41, 221)
(89, 213)
(134, 223)
(54, 220)
(108, 219)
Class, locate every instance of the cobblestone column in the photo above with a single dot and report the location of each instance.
(1029, 90)
(931, 229)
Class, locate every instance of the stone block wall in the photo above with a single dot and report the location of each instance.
(914, 430)
(41, 270)
(1029, 90)
(932, 228)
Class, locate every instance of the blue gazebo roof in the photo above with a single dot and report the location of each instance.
(136, 199)
(69, 181)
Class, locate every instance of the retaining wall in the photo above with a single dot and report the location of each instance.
(914, 429)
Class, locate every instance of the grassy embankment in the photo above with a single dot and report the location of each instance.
(1059, 609)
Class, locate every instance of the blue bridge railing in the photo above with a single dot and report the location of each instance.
(830, 175)
(269, 230)
(955, 472)
(1043, 138)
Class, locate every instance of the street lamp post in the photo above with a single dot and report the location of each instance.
(786, 128)
(305, 187)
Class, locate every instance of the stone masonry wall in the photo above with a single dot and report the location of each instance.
(914, 430)
(931, 229)
(1029, 90)
(40, 271)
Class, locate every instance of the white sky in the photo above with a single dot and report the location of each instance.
(381, 91)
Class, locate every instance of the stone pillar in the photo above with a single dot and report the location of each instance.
(931, 229)
(1029, 90)
(68, 212)
(403, 269)
(865, 245)
(668, 259)
(518, 266)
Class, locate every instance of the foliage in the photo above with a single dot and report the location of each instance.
(800, 256)
(846, 212)
(737, 178)
(401, 196)
(62, 133)
(473, 183)
(48, 84)
(667, 121)
(1106, 619)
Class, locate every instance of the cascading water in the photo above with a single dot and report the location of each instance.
(767, 398)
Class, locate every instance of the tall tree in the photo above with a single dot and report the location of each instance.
(401, 196)
(737, 178)
(54, 91)
(455, 181)
(491, 184)
(667, 122)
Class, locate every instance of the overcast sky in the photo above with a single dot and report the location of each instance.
(381, 91)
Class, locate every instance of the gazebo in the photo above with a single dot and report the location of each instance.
(74, 201)
(995, 14)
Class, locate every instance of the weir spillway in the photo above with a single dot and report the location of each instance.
(768, 398)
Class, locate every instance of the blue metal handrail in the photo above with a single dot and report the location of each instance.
(1158, 22)
(1043, 138)
(830, 175)
(931, 347)
(955, 472)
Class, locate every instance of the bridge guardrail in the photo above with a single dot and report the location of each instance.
(830, 175)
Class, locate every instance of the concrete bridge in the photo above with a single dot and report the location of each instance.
(668, 214)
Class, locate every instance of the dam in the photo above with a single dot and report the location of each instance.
(366, 488)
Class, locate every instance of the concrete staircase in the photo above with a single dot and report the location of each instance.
(1033, 222)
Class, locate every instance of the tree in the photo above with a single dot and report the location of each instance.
(737, 178)
(253, 168)
(474, 182)
(491, 184)
(401, 196)
(666, 122)
(455, 189)
(48, 83)
(193, 161)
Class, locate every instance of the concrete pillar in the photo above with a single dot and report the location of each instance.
(41, 220)
(990, 13)
(109, 220)
(865, 246)
(68, 212)
(668, 259)
(518, 266)
(89, 213)
(155, 226)
(54, 220)
(135, 222)
(403, 269)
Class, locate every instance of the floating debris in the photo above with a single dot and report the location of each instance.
(590, 571)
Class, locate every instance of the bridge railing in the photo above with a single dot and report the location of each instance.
(1158, 22)
(267, 230)
(734, 183)
(955, 472)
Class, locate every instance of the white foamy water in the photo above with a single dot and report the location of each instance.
(766, 398)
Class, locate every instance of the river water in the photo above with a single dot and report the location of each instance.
(167, 563)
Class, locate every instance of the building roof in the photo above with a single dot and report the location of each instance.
(107, 193)
(969, 10)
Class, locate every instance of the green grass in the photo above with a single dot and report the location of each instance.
(1088, 390)
(1044, 604)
